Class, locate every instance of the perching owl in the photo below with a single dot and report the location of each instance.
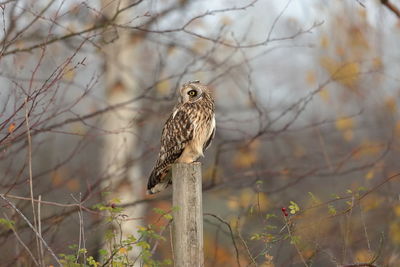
(186, 134)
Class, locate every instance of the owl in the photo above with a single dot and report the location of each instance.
(186, 134)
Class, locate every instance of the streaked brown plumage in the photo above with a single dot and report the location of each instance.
(186, 134)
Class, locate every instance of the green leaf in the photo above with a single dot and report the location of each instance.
(8, 224)
(73, 246)
(314, 199)
(331, 209)
(102, 252)
(293, 207)
(168, 216)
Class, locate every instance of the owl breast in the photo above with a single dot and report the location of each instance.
(204, 126)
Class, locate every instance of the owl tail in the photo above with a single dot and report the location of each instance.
(158, 181)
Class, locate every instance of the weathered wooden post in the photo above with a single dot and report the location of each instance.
(188, 215)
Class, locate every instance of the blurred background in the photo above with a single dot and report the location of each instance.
(304, 169)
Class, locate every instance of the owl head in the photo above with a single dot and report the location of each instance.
(192, 92)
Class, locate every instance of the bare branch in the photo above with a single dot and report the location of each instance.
(395, 10)
(32, 228)
(231, 232)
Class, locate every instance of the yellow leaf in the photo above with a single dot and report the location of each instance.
(398, 128)
(73, 185)
(57, 177)
(233, 221)
(225, 20)
(369, 148)
(377, 63)
(311, 77)
(246, 197)
(362, 12)
(284, 172)
(329, 64)
(370, 174)
(199, 45)
(324, 94)
(78, 128)
(142, 228)
(244, 159)
(123, 250)
(391, 105)
(299, 151)
(324, 42)
(233, 204)
(134, 38)
(364, 255)
(116, 89)
(268, 261)
(171, 49)
(212, 171)
(394, 232)
(19, 44)
(71, 27)
(116, 200)
(308, 253)
(263, 201)
(11, 128)
(344, 73)
(348, 74)
(163, 87)
(397, 210)
(348, 135)
(340, 51)
(343, 124)
(371, 202)
(246, 156)
(358, 39)
(69, 75)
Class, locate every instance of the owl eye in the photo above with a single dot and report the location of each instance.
(192, 93)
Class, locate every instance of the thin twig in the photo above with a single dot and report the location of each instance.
(172, 243)
(294, 243)
(41, 257)
(365, 229)
(277, 19)
(81, 242)
(247, 248)
(232, 235)
(32, 227)
(28, 133)
(22, 243)
(391, 7)
(153, 250)
(57, 204)
(371, 263)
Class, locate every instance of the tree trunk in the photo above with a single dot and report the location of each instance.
(120, 145)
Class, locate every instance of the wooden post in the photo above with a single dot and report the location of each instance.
(188, 215)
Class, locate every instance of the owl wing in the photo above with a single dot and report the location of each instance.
(177, 132)
(211, 137)
(208, 143)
